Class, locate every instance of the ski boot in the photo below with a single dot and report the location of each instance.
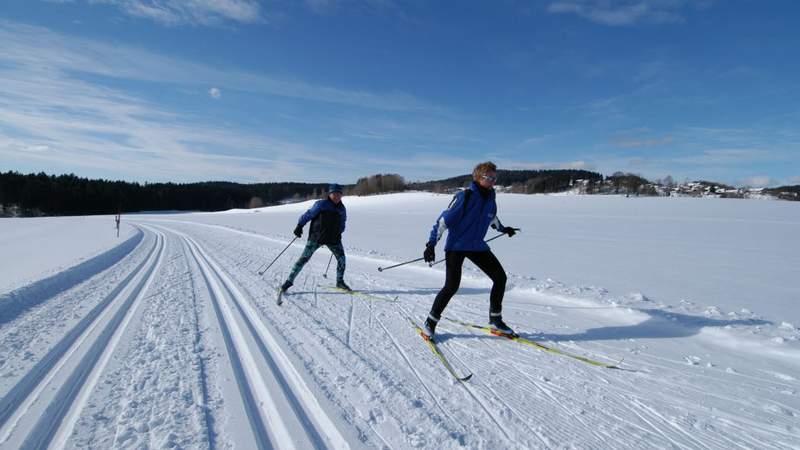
(499, 327)
(429, 329)
(342, 285)
(284, 287)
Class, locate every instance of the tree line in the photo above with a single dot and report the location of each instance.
(42, 194)
(520, 181)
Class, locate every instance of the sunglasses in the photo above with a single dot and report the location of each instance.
(489, 178)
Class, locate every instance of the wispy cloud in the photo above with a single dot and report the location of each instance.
(758, 181)
(627, 12)
(361, 6)
(189, 12)
(537, 140)
(215, 93)
(53, 115)
(575, 165)
(611, 108)
(39, 47)
(795, 180)
(634, 142)
(716, 157)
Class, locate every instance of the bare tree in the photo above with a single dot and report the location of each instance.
(255, 202)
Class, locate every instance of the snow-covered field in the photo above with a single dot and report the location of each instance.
(167, 337)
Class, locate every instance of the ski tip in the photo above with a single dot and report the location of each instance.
(465, 379)
(617, 365)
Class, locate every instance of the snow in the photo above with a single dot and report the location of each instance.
(167, 336)
(35, 247)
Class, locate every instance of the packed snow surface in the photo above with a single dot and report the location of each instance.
(167, 336)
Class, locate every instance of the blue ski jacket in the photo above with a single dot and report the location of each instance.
(468, 222)
(327, 221)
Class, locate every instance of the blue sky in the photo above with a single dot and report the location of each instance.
(332, 90)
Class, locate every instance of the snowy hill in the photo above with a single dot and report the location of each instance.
(167, 336)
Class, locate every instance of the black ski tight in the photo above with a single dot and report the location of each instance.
(487, 262)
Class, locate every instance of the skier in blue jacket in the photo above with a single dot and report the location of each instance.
(327, 217)
(467, 220)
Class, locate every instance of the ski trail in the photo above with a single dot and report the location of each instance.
(594, 407)
(663, 419)
(350, 323)
(42, 393)
(205, 397)
(509, 407)
(87, 384)
(419, 377)
(402, 313)
(241, 360)
(257, 352)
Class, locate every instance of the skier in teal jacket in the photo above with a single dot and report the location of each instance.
(328, 217)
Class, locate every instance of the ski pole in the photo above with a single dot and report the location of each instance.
(325, 275)
(381, 269)
(487, 241)
(261, 272)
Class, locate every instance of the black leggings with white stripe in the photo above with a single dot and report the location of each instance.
(488, 263)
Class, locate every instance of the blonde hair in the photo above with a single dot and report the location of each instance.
(482, 169)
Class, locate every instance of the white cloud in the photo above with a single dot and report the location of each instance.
(215, 93)
(53, 118)
(191, 12)
(39, 47)
(320, 6)
(537, 140)
(759, 181)
(626, 12)
(795, 180)
(573, 165)
(633, 142)
(716, 157)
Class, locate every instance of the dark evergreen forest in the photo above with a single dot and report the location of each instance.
(54, 195)
(42, 194)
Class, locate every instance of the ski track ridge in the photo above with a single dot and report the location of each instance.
(251, 349)
(27, 393)
(83, 352)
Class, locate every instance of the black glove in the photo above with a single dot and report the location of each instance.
(298, 231)
(510, 231)
(430, 254)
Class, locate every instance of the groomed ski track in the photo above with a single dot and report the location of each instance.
(181, 344)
